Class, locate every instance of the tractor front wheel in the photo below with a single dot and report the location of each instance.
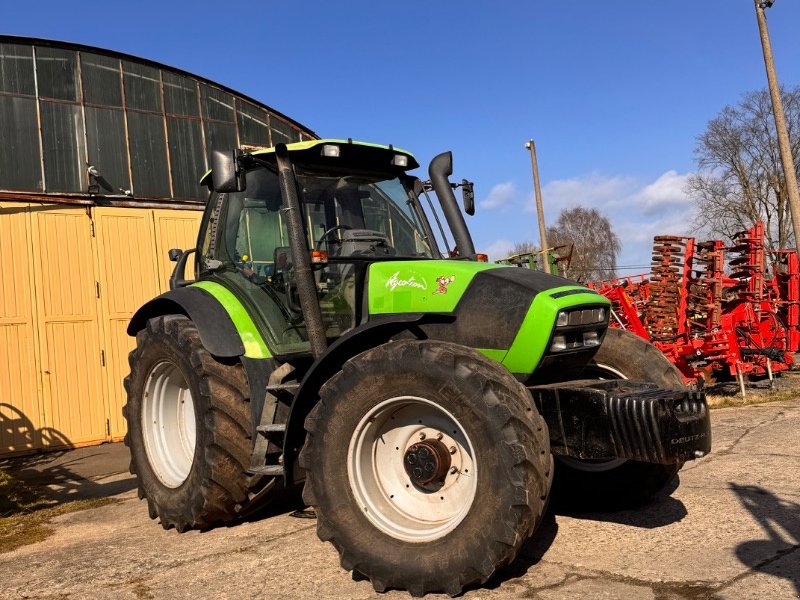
(189, 425)
(617, 483)
(427, 464)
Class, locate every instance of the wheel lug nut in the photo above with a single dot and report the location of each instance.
(439, 435)
(453, 471)
(422, 435)
(452, 449)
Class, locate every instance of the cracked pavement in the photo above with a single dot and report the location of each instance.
(731, 529)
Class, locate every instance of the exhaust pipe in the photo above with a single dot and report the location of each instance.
(440, 169)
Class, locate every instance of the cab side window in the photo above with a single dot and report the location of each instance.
(259, 230)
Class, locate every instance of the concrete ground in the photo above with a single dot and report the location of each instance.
(731, 529)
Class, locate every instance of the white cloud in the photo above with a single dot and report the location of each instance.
(498, 249)
(664, 192)
(499, 196)
(637, 237)
(638, 210)
(592, 191)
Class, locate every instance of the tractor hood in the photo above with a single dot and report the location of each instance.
(507, 313)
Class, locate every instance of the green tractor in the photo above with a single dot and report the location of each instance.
(420, 395)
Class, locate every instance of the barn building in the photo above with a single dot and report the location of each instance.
(101, 154)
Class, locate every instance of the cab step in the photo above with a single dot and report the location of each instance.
(271, 470)
(284, 387)
(272, 428)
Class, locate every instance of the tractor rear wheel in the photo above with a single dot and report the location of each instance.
(189, 427)
(428, 466)
(618, 483)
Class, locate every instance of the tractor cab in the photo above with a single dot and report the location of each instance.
(357, 206)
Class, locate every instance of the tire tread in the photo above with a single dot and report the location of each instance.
(506, 404)
(224, 486)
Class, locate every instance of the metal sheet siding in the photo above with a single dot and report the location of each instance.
(20, 407)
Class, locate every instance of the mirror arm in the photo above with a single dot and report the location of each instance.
(177, 279)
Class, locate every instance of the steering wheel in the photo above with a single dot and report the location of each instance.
(324, 236)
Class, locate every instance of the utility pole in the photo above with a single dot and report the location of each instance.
(539, 210)
(790, 177)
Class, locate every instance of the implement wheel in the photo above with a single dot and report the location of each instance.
(188, 427)
(618, 483)
(427, 464)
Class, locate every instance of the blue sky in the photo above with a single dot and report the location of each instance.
(614, 92)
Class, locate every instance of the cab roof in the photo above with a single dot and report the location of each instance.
(360, 154)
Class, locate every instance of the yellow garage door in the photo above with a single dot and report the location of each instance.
(67, 321)
(127, 274)
(20, 408)
(71, 281)
(132, 254)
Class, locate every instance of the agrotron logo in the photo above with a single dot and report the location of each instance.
(395, 281)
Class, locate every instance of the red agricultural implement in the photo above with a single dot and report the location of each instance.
(711, 322)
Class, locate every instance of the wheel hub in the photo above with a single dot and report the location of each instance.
(427, 462)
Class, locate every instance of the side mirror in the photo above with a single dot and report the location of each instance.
(468, 194)
(174, 254)
(227, 174)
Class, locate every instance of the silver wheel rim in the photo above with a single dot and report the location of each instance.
(601, 465)
(168, 424)
(384, 491)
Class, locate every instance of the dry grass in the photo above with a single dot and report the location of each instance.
(752, 397)
(25, 513)
(16, 497)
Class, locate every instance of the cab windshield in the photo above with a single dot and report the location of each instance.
(358, 216)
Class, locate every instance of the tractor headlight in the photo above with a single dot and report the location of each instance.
(579, 328)
(585, 316)
(400, 160)
(330, 150)
(559, 343)
(591, 338)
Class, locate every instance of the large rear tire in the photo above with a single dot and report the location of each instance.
(427, 464)
(189, 427)
(618, 484)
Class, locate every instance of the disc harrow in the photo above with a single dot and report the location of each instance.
(710, 324)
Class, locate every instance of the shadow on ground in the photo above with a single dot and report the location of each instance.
(780, 520)
(660, 511)
(85, 473)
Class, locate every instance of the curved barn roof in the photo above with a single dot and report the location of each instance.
(87, 123)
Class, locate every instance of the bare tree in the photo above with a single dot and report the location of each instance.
(524, 248)
(740, 178)
(596, 244)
